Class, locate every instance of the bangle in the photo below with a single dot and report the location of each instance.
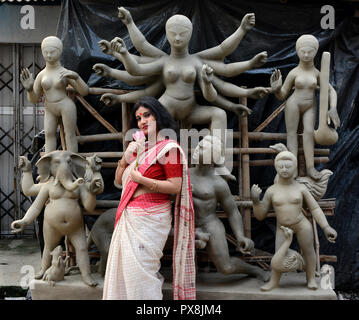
(121, 165)
(154, 186)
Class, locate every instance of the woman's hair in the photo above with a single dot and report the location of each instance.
(163, 118)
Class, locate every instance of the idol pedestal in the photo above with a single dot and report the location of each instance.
(72, 288)
(216, 286)
(210, 286)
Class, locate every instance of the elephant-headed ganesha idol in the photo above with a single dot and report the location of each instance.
(66, 180)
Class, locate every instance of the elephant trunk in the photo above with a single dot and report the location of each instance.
(65, 177)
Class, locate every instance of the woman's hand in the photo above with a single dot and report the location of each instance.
(132, 148)
(136, 176)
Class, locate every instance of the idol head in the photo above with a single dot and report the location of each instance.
(51, 48)
(285, 164)
(307, 47)
(179, 31)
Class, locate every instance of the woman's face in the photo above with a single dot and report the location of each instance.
(51, 54)
(285, 168)
(307, 53)
(146, 121)
(178, 36)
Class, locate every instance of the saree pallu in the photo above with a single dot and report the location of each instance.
(141, 231)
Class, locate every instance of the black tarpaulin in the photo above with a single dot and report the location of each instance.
(278, 25)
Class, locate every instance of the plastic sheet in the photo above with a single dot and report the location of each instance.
(84, 23)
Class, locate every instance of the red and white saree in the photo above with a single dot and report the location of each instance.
(141, 232)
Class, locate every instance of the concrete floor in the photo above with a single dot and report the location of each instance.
(20, 259)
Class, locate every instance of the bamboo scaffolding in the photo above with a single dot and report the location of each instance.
(245, 173)
(270, 118)
(100, 137)
(270, 162)
(95, 114)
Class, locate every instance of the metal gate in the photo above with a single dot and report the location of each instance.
(19, 122)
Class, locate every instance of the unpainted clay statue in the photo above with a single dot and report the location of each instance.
(285, 259)
(178, 71)
(57, 270)
(209, 188)
(101, 234)
(61, 186)
(287, 197)
(317, 188)
(305, 79)
(52, 82)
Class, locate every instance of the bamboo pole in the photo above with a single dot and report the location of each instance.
(100, 137)
(101, 154)
(96, 115)
(270, 162)
(322, 152)
(245, 172)
(97, 91)
(62, 135)
(316, 244)
(266, 122)
(125, 123)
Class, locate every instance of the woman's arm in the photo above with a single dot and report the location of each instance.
(170, 186)
(121, 167)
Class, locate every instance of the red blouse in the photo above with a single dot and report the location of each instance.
(169, 166)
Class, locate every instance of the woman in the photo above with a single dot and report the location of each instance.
(304, 79)
(143, 219)
(52, 82)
